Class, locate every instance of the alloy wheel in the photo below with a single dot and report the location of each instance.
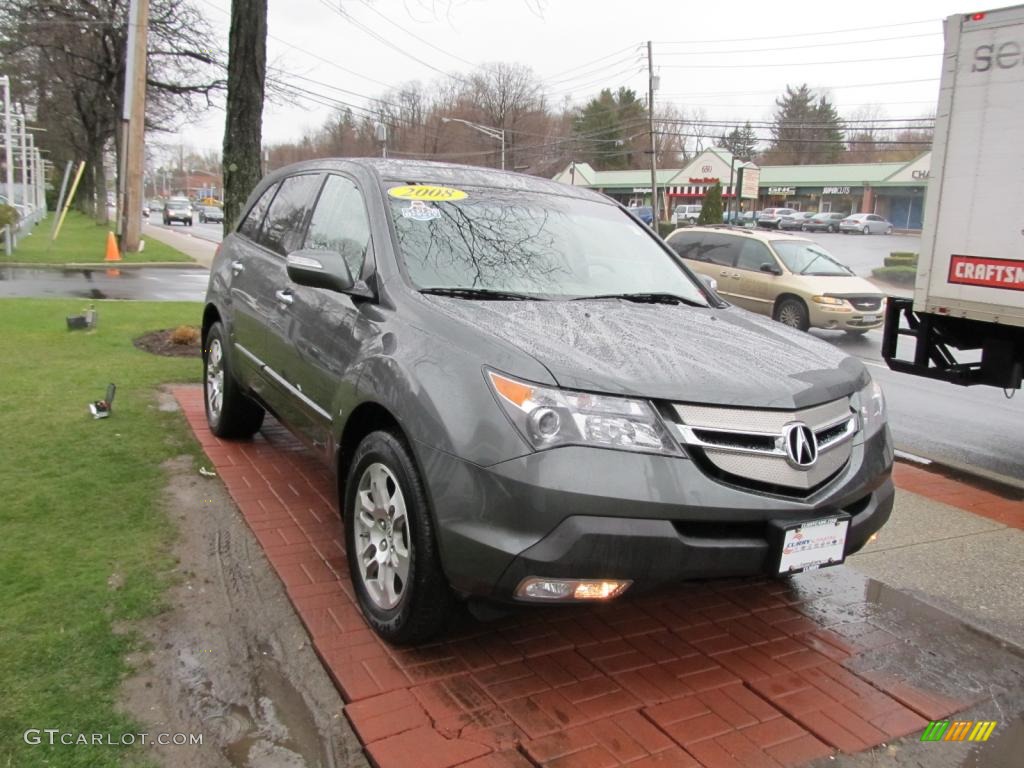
(790, 315)
(383, 540)
(215, 379)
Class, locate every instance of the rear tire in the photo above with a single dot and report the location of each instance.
(829, 229)
(888, 231)
(229, 412)
(390, 543)
(792, 312)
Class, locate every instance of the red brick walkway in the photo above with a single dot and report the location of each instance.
(724, 674)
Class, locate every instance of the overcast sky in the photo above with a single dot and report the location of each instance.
(728, 58)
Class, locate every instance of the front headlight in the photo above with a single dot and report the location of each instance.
(871, 406)
(830, 300)
(549, 417)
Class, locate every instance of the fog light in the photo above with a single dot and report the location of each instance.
(534, 588)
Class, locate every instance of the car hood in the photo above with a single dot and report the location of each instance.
(668, 352)
(837, 285)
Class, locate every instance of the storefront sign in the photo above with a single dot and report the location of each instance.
(921, 175)
(835, 191)
(749, 177)
(641, 190)
(781, 191)
(705, 180)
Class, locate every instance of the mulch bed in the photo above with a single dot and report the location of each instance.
(159, 343)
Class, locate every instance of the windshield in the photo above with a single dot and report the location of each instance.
(542, 245)
(177, 205)
(801, 255)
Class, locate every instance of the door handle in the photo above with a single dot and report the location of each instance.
(736, 276)
(237, 267)
(284, 296)
(723, 273)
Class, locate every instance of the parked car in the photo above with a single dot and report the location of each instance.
(772, 217)
(178, 209)
(866, 224)
(829, 222)
(791, 279)
(686, 214)
(643, 212)
(210, 213)
(555, 422)
(794, 220)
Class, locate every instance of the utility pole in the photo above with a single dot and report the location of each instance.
(135, 124)
(8, 139)
(650, 124)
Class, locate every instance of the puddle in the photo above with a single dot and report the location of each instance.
(1004, 750)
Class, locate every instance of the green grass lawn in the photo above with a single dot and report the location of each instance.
(83, 241)
(79, 502)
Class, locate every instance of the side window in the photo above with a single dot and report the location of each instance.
(752, 255)
(687, 246)
(340, 223)
(720, 249)
(286, 216)
(250, 226)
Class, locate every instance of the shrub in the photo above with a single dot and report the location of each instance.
(898, 275)
(185, 335)
(892, 261)
(665, 228)
(711, 210)
(8, 215)
(903, 255)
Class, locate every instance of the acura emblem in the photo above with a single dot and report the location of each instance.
(801, 446)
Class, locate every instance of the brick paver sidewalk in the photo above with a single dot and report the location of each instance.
(726, 674)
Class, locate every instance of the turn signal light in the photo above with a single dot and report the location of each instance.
(535, 588)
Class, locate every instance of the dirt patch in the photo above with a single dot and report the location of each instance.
(163, 343)
(229, 659)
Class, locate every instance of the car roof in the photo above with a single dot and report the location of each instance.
(755, 234)
(449, 174)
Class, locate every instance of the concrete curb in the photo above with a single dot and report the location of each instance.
(95, 265)
(993, 481)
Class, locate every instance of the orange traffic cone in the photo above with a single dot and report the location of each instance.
(112, 253)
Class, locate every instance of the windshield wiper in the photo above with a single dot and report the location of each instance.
(645, 298)
(827, 258)
(480, 293)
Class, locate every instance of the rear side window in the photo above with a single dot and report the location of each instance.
(250, 226)
(720, 249)
(686, 246)
(286, 218)
(340, 223)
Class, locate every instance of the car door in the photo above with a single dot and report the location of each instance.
(248, 289)
(878, 224)
(755, 289)
(716, 257)
(283, 229)
(329, 330)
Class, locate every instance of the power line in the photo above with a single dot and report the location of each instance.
(417, 37)
(558, 75)
(799, 63)
(818, 89)
(802, 47)
(611, 65)
(799, 34)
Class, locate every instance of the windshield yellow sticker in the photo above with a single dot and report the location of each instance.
(427, 192)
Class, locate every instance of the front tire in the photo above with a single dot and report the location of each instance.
(229, 412)
(390, 543)
(866, 231)
(792, 312)
(829, 229)
(888, 231)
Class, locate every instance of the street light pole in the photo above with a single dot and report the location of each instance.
(654, 144)
(24, 162)
(494, 133)
(8, 138)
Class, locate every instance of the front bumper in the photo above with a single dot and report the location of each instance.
(593, 513)
(832, 317)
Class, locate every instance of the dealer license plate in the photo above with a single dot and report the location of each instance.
(814, 544)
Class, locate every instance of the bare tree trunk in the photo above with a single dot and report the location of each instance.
(99, 177)
(243, 128)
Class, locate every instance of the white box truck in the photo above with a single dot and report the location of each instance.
(969, 293)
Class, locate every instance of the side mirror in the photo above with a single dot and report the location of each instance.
(324, 269)
(709, 282)
(771, 269)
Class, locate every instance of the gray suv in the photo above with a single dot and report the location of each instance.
(526, 395)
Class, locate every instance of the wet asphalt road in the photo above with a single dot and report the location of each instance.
(977, 426)
(211, 231)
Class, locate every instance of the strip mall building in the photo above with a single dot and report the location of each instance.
(894, 191)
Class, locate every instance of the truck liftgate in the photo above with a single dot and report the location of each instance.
(935, 336)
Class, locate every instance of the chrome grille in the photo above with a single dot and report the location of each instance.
(750, 445)
(866, 303)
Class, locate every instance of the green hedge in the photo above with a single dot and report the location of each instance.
(903, 255)
(898, 275)
(665, 228)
